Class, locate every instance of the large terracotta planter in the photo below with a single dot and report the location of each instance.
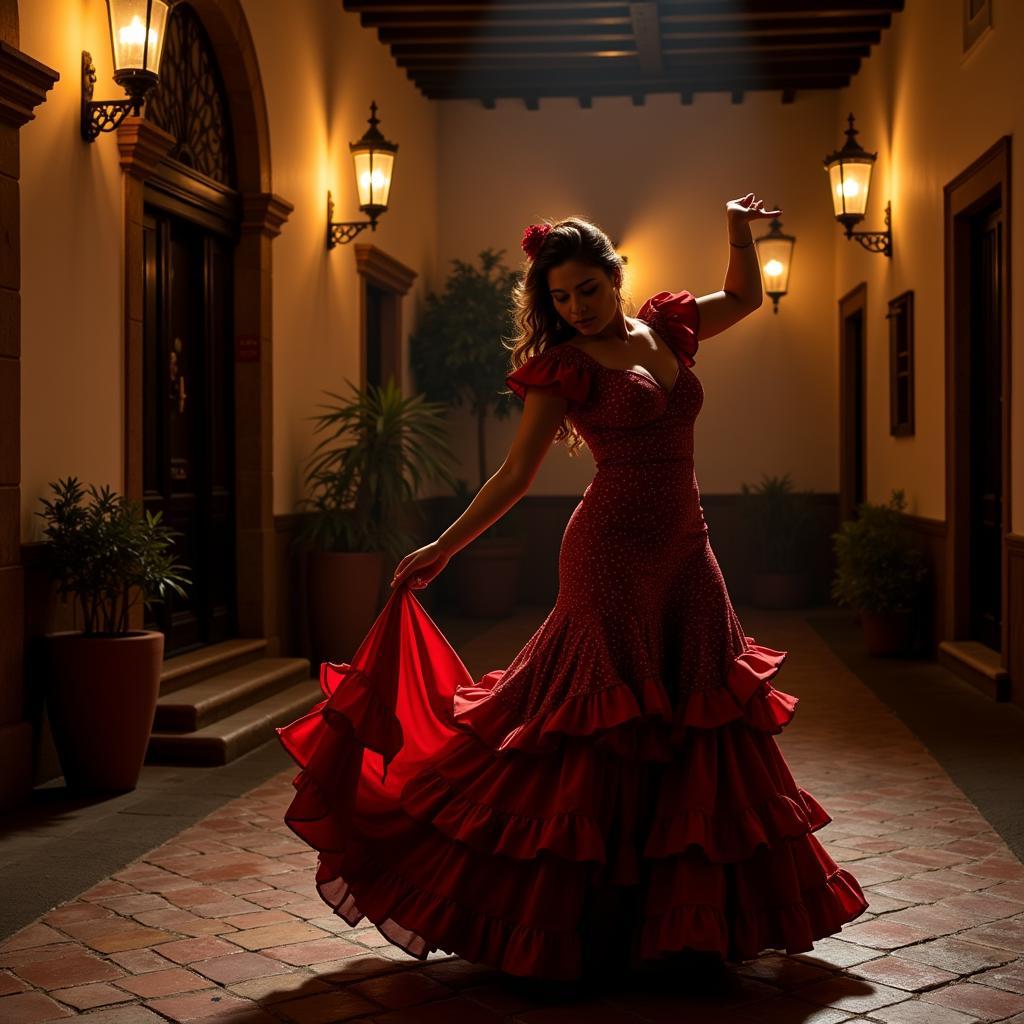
(779, 589)
(343, 589)
(101, 694)
(887, 634)
(486, 577)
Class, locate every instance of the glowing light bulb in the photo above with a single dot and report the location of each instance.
(774, 268)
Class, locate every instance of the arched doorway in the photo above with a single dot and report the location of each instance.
(197, 189)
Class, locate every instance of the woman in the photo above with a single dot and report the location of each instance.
(615, 794)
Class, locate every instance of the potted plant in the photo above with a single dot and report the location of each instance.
(880, 573)
(776, 520)
(102, 682)
(364, 475)
(457, 357)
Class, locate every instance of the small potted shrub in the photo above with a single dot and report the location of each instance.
(880, 573)
(776, 520)
(364, 474)
(457, 357)
(102, 682)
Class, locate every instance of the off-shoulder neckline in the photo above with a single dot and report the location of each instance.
(636, 373)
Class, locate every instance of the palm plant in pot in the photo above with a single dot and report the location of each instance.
(364, 474)
(880, 573)
(457, 358)
(776, 520)
(102, 682)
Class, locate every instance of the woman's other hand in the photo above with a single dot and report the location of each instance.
(419, 567)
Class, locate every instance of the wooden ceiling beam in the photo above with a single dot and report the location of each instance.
(647, 33)
(863, 29)
(539, 71)
(670, 8)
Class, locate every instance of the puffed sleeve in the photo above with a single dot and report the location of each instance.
(548, 370)
(675, 316)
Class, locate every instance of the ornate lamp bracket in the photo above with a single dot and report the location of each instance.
(341, 231)
(876, 241)
(101, 115)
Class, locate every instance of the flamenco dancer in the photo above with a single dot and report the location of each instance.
(616, 794)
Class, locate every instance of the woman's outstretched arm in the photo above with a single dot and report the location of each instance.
(741, 294)
(542, 413)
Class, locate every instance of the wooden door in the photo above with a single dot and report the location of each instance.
(188, 420)
(985, 479)
(852, 403)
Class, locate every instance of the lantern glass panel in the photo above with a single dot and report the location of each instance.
(128, 33)
(775, 257)
(373, 175)
(850, 181)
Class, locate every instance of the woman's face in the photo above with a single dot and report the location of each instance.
(584, 295)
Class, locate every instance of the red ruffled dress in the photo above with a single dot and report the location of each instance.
(616, 791)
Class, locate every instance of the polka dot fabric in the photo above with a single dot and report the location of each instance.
(614, 793)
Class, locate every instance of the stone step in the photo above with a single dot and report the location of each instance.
(184, 669)
(197, 704)
(228, 738)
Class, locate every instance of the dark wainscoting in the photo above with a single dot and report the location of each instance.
(543, 520)
(930, 536)
(1015, 581)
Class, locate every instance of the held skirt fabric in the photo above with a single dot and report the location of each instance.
(616, 791)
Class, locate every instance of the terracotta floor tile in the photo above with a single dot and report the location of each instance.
(30, 1007)
(917, 890)
(237, 967)
(185, 951)
(9, 984)
(200, 1005)
(404, 989)
(133, 1013)
(66, 972)
(1006, 934)
(980, 1001)
(915, 1012)
(112, 935)
(784, 971)
(280, 987)
(846, 992)
(277, 935)
(325, 1008)
(140, 961)
(169, 982)
(33, 935)
(789, 1010)
(77, 911)
(957, 955)
(315, 951)
(899, 972)
(1009, 977)
(89, 997)
(884, 934)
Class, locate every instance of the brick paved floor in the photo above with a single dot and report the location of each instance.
(222, 923)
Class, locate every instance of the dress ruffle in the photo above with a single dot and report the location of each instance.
(489, 835)
(570, 378)
(676, 318)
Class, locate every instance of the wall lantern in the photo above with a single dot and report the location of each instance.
(374, 159)
(849, 172)
(137, 31)
(775, 257)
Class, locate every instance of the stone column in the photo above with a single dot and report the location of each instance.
(24, 83)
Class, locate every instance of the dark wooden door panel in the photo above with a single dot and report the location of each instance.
(188, 419)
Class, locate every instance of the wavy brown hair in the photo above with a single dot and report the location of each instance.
(539, 326)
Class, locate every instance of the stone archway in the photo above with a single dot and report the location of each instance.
(142, 147)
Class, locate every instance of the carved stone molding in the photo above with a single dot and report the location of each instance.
(382, 269)
(142, 146)
(24, 83)
(265, 212)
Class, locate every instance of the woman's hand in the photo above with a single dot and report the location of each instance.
(420, 566)
(747, 209)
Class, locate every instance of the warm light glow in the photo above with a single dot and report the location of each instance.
(774, 268)
(130, 36)
(373, 186)
(775, 257)
(850, 187)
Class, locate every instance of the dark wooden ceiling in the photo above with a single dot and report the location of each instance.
(532, 49)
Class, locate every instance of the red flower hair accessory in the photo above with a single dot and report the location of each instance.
(533, 239)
